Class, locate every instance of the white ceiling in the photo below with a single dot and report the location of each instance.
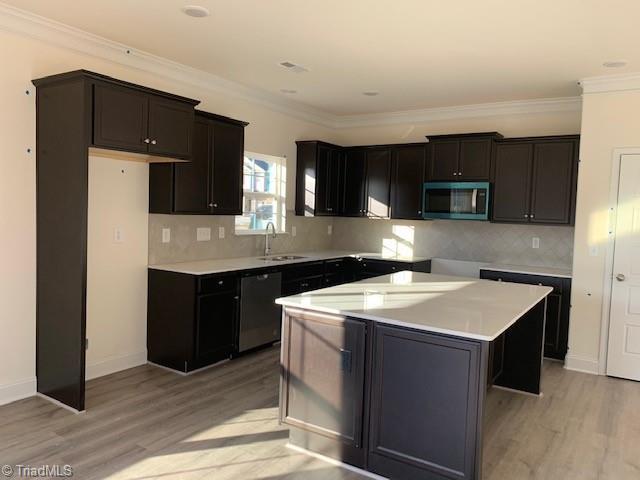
(417, 53)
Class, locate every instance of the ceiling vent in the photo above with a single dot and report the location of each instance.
(292, 67)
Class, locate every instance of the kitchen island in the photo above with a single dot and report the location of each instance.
(389, 374)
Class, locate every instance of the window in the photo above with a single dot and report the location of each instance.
(264, 191)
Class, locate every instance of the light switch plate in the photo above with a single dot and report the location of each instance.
(118, 235)
(166, 235)
(203, 234)
(330, 230)
(535, 242)
(294, 231)
(220, 232)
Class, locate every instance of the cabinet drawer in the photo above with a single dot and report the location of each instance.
(217, 283)
(383, 267)
(302, 285)
(554, 282)
(333, 266)
(304, 270)
(333, 279)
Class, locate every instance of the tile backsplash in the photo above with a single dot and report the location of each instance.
(458, 240)
(183, 247)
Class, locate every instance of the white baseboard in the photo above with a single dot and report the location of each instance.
(582, 364)
(58, 403)
(115, 364)
(17, 391)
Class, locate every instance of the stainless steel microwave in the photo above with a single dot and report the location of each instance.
(456, 200)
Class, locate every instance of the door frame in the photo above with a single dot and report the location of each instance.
(616, 163)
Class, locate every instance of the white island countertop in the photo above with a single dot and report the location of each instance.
(464, 307)
(221, 265)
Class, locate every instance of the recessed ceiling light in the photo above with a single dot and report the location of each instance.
(288, 91)
(371, 93)
(615, 64)
(195, 11)
(292, 67)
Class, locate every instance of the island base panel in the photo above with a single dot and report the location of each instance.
(523, 352)
(427, 399)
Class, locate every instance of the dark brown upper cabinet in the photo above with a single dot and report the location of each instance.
(512, 182)
(354, 174)
(138, 120)
(318, 178)
(378, 182)
(463, 157)
(407, 180)
(211, 184)
(535, 179)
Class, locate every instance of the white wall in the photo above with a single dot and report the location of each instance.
(22, 60)
(117, 267)
(509, 125)
(609, 121)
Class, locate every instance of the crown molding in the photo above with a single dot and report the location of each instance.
(610, 83)
(543, 105)
(49, 31)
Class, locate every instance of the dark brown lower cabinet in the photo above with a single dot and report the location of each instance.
(556, 333)
(214, 331)
(325, 399)
(191, 320)
(416, 426)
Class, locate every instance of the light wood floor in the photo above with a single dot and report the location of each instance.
(221, 423)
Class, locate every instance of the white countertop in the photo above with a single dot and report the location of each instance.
(220, 265)
(464, 307)
(524, 269)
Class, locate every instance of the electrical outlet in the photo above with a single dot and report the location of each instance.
(220, 232)
(535, 242)
(118, 236)
(166, 235)
(294, 231)
(330, 230)
(203, 234)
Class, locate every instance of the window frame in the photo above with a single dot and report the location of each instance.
(279, 195)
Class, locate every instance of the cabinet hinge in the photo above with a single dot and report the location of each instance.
(86, 344)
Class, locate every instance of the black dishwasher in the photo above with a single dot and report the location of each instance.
(260, 317)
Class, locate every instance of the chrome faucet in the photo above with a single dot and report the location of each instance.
(267, 238)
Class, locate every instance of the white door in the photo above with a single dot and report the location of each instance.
(623, 358)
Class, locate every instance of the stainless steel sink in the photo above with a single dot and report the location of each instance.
(280, 258)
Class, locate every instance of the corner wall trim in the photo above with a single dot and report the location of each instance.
(17, 391)
(611, 83)
(28, 24)
(115, 364)
(581, 364)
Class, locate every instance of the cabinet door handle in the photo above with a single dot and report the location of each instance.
(153, 142)
(531, 216)
(455, 173)
(419, 212)
(526, 216)
(146, 140)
